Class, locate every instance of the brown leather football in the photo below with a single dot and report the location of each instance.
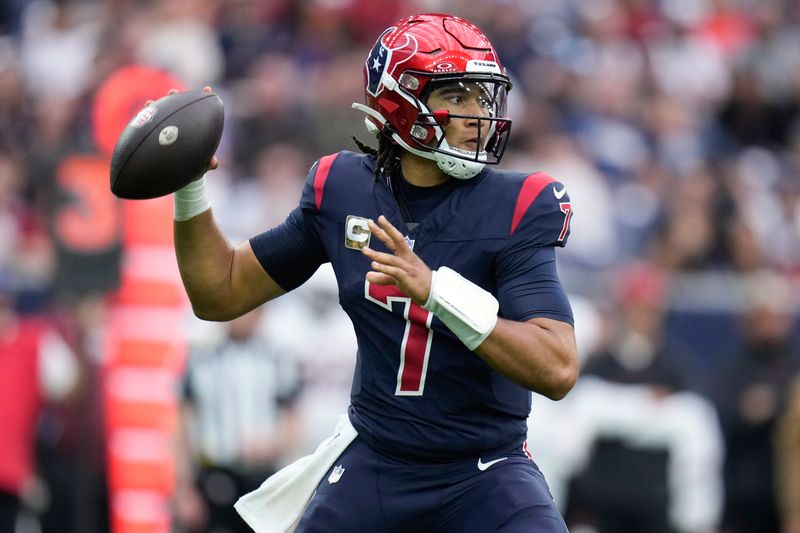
(167, 145)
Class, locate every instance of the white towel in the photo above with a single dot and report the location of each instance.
(278, 504)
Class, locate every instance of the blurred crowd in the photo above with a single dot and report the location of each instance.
(675, 125)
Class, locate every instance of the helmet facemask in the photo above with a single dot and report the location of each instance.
(479, 101)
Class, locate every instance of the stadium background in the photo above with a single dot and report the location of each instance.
(673, 123)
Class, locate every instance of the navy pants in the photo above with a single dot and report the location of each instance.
(370, 492)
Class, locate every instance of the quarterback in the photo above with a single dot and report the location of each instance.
(446, 267)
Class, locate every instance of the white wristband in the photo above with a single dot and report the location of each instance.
(191, 200)
(469, 311)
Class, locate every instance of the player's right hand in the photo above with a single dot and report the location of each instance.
(214, 162)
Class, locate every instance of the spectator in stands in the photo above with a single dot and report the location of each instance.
(654, 447)
(751, 393)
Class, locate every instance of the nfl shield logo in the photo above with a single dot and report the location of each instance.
(144, 116)
(336, 475)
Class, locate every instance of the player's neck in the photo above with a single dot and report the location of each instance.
(420, 171)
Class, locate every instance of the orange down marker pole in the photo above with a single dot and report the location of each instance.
(145, 357)
(145, 349)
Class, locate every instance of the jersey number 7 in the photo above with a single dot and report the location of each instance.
(416, 345)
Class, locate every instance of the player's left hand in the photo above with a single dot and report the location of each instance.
(402, 267)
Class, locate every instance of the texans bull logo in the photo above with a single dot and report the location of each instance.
(380, 58)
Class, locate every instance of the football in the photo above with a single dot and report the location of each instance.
(166, 145)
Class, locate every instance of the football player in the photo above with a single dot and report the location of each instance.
(446, 267)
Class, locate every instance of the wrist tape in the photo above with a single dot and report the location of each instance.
(469, 311)
(190, 201)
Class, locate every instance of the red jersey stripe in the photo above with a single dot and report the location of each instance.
(530, 190)
(320, 176)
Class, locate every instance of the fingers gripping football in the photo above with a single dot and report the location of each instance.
(168, 144)
(214, 162)
(402, 267)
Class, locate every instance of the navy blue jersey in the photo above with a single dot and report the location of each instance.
(417, 389)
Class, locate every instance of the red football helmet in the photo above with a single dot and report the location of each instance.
(418, 55)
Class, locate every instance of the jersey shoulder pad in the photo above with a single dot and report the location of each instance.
(542, 211)
(330, 173)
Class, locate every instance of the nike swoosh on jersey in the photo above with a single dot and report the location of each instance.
(483, 466)
(559, 194)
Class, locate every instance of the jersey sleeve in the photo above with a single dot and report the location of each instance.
(528, 285)
(291, 252)
(542, 212)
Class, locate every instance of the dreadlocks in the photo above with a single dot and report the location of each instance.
(387, 154)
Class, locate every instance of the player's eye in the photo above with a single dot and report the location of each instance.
(485, 98)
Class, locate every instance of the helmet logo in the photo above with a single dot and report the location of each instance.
(445, 66)
(376, 64)
(380, 59)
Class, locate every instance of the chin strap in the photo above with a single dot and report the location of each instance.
(469, 311)
(453, 166)
(456, 167)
